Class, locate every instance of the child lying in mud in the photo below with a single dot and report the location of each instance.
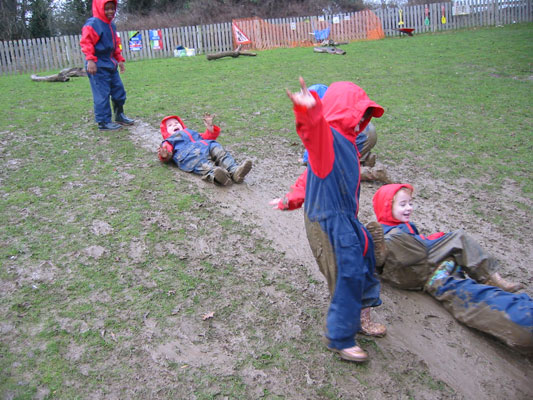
(452, 267)
(200, 153)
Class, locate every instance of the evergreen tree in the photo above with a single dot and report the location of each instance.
(40, 19)
(71, 16)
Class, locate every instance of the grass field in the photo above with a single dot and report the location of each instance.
(457, 103)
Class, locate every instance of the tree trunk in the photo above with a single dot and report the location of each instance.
(63, 76)
(236, 53)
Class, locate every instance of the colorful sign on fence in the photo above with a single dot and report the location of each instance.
(156, 39)
(240, 37)
(135, 42)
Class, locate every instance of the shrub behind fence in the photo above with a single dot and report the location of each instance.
(43, 54)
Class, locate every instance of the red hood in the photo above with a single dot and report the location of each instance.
(98, 9)
(382, 202)
(344, 105)
(163, 125)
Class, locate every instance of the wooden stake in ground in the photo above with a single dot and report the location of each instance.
(63, 76)
(236, 53)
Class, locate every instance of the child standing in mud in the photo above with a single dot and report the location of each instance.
(452, 267)
(342, 247)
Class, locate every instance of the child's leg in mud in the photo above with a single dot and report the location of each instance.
(506, 316)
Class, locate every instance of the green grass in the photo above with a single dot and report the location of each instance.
(458, 104)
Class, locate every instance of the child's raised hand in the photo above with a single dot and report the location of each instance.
(208, 121)
(303, 97)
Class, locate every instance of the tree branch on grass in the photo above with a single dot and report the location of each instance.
(63, 76)
(236, 53)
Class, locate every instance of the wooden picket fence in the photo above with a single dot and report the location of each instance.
(457, 15)
(45, 54)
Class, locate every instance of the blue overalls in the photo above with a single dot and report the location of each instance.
(332, 203)
(191, 151)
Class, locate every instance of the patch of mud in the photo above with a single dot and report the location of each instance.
(422, 335)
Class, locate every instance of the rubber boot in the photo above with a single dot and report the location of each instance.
(119, 115)
(369, 161)
(377, 173)
(355, 354)
(380, 248)
(225, 160)
(218, 176)
(108, 126)
(370, 328)
(443, 271)
(496, 280)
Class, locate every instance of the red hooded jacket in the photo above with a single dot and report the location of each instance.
(343, 106)
(383, 200)
(99, 39)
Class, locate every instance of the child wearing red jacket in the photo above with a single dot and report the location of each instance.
(101, 46)
(341, 245)
(200, 153)
(452, 267)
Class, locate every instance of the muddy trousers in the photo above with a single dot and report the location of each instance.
(338, 245)
(410, 261)
(506, 316)
(217, 156)
(106, 84)
(366, 141)
(467, 252)
(222, 158)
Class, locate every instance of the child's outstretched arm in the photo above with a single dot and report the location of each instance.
(296, 196)
(313, 130)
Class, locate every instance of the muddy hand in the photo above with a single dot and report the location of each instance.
(303, 97)
(275, 203)
(208, 121)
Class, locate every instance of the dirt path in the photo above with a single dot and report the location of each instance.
(419, 328)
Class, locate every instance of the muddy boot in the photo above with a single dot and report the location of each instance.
(225, 160)
(380, 248)
(119, 115)
(496, 280)
(241, 171)
(108, 126)
(355, 354)
(369, 161)
(377, 173)
(218, 176)
(370, 328)
(443, 271)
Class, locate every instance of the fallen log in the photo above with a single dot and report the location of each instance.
(235, 53)
(63, 76)
(330, 50)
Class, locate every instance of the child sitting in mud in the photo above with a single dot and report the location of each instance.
(452, 267)
(200, 153)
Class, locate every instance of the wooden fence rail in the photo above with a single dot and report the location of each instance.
(44, 54)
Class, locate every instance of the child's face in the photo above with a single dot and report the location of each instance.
(173, 126)
(402, 206)
(109, 10)
(366, 115)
